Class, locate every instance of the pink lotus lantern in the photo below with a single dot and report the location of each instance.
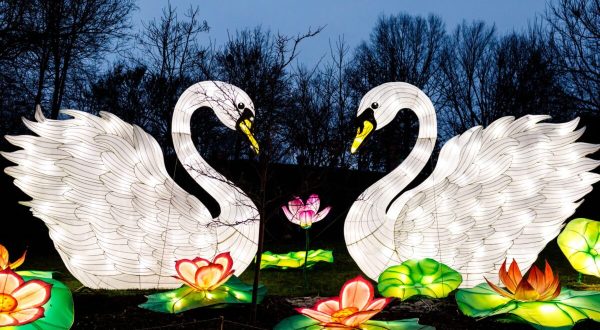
(303, 214)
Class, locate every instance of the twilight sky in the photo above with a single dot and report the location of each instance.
(354, 19)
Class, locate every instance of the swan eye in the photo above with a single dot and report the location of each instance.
(375, 105)
(241, 106)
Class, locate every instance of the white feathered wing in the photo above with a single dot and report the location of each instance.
(497, 193)
(116, 217)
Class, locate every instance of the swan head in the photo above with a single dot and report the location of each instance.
(379, 107)
(231, 105)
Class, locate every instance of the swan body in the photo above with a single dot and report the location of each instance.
(116, 217)
(496, 193)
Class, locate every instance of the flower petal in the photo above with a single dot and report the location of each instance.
(526, 292)
(3, 257)
(313, 203)
(552, 291)
(322, 214)
(499, 290)
(306, 217)
(200, 262)
(224, 259)
(358, 318)
(289, 215)
(9, 281)
(379, 303)
(357, 292)
(31, 294)
(295, 205)
(6, 320)
(222, 280)
(28, 315)
(319, 316)
(328, 306)
(336, 326)
(18, 262)
(511, 278)
(187, 270)
(208, 276)
(549, 277)
(536, 279)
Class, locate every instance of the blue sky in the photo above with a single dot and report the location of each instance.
(352, 19)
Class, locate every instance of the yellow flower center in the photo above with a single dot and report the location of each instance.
(593, 252)
(340, 315)
(7, 303)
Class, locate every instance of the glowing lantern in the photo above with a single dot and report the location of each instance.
(496, 192)
(59, 313)
(116, 217)
(580, 242)
(537, 299)
(425, 277)
(21, 301)
(353, 309)
(32, 300)
(295, 259)
(206, 283)
(303, 214)
(204, 275)
(537, 287)
(4, 261)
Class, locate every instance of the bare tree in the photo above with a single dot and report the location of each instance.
(575, 33)
(319, 131)
(72, 34)
(257, 61)
(488, 77)
(401, 48)
(169, 49)
(467, 74)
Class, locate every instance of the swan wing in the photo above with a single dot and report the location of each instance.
(497, 193)
(116, 217)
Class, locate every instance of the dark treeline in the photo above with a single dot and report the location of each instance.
(53, 53)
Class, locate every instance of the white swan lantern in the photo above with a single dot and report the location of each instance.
(117, 218)
(496, 193)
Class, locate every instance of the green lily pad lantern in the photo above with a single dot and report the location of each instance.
(206, 283)
(580, 242)
(424, 277)
(295, 259)
(537, 299)
(562, 312)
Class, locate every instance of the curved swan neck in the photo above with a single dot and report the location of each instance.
(392, 184)
(207, 177)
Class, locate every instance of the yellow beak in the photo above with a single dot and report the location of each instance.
(246, 128)
(361, 135)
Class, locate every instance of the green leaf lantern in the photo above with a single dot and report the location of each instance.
(185, 298)
(537, 299)
(580, 242)
(424, 277)
(295, 259)
(562, 312)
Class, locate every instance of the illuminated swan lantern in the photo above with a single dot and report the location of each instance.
(117, 218)
(497, 193)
